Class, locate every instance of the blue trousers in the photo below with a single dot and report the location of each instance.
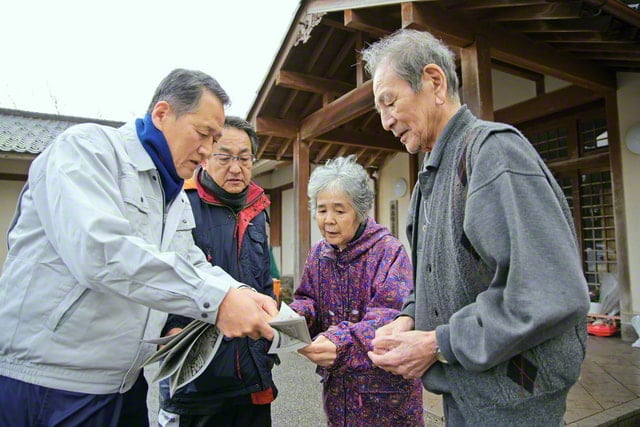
(28, 405)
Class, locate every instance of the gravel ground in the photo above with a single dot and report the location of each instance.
(299, 401)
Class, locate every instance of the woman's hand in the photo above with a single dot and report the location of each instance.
(321, 351)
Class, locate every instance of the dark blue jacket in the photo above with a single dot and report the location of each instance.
(238, 244)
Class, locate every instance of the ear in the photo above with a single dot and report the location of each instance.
(433, 74)
(159, 114)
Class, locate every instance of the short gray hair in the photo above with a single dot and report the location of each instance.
(346, 175)
(243, 125)
(183, 90)
(407, 52)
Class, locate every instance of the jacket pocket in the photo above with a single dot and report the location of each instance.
(547, 368)
(383, 390)
(66, 307)
(136, 207)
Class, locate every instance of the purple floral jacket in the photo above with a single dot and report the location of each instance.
(346, 295)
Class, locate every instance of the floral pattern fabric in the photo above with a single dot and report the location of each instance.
(345, 296)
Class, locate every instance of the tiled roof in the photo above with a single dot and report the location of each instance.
(27, 132)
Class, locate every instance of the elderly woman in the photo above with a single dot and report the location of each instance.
(354, 281)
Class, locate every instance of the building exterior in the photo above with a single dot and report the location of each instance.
(23, 135)
(566, 73)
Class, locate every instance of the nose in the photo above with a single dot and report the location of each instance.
(206, 148)
(387, 120)
(329, 218)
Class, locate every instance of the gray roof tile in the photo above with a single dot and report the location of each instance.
(27, 132)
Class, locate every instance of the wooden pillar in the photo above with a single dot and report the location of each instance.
(477, 90)
(302, 232)
(415, 161)
(615, 160)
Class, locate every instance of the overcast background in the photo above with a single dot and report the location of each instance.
(104, 59)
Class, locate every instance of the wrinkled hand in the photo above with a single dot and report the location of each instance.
(401, 324)
(244, 312)
(321, 351)
(409, 354)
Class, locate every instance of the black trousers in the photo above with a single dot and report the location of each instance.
(235, 416)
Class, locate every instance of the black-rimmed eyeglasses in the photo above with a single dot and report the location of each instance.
(245, 160)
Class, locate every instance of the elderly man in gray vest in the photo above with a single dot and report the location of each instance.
(497, 319)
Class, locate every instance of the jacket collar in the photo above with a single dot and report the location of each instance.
(254, 193)
(136, 151)
(373, 232)
(449, 133)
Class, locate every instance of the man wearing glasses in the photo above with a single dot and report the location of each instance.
(231, 222)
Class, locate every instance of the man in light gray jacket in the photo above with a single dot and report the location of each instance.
(100, 248)
(497, 319)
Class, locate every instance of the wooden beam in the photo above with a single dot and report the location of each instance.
(627, 46)
(508, 47)
(555, 10)
(487, 4)
(301, 230)
(477, 89)
(323, 6)
(263, 146)
(275, 213)
(270, 126)
(309, 83)
(346, 49)
(283, 149)
(597, 24)
(441, 23)
(12, 177)
(578, 163)
(553, 102)
(573, 38)
(380, 141)
(373, 158)
(359, 65)
(609, 56)
(341, 152)
(322, 152)
(344, 109)
(516, 71)
(370, 21)
(414, 168)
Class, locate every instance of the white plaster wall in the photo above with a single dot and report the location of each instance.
(509, 89)
(395, 169)
(287, 248)
(282, 176)
(629, 113)
(9, 192)
(551, 84)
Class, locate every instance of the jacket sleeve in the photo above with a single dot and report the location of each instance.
(79, 202)
(390, 285)
(266, 279)
(516, 223)
(305, 297)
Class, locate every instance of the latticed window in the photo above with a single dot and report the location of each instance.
(568, 144)
(598, 228)
(551, 144)
(592, 134)
(567, 188)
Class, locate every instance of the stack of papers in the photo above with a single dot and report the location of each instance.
(184, 356)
